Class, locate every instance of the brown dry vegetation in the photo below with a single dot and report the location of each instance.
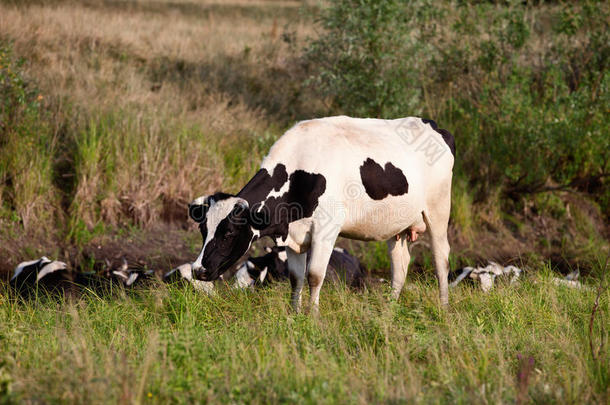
(148, 104)
(151, 101)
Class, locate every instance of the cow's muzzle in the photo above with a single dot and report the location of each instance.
(201, 273)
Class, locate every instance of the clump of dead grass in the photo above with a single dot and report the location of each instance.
(149, 103)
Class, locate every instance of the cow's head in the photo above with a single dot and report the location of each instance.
(224, 222)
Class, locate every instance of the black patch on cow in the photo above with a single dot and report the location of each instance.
(262, 183)
(231, 240)
(219, 196)
(447, 136)
(274, 215)
(197, 212)
(379, 182)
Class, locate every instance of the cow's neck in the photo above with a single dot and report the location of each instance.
(256, 192)
(273, 207)
(259, 186)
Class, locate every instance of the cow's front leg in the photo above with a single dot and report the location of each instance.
(321, 250)
(296, 270)
(400, 258)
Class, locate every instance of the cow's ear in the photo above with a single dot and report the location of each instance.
(240, 208)
(240, 212)
(242, 204)
(198, 209)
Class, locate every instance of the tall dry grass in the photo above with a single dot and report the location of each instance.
(150, 99)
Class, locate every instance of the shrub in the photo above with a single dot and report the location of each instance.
(524, 88)
(360, 58)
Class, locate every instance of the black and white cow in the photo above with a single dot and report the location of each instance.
(273, 266)
(366, 179)
(42, 271)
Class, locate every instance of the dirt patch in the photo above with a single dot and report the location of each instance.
(161, 247)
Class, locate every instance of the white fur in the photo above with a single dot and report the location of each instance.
(23, 265)
(122, 275)
(242, 277)
(132, 278)
(282, 255)
(50, 268)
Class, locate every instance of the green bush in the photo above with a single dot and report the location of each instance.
(360, 56)
(524, 88)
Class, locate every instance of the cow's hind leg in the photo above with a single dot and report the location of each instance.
(296, 270)
(437, 220)
(400, 258)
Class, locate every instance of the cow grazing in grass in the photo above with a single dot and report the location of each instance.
(366, 179)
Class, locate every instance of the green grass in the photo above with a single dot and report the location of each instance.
(169, 344)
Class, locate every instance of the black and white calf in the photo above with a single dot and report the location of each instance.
(41, 271)
(366, 179)
(345, 268)
(273, 266)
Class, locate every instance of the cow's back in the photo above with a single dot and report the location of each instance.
(338, 146)
(379, 174)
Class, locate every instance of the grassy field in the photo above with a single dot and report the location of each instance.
(114, 114)
(529, 342)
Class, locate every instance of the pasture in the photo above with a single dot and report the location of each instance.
(115, 114)
(170, 344)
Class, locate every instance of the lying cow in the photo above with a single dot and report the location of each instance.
(273, 266)
(366, 179)
(45, 272)
(259, 270)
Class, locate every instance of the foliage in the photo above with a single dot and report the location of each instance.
(361, 55)
(524, 88)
